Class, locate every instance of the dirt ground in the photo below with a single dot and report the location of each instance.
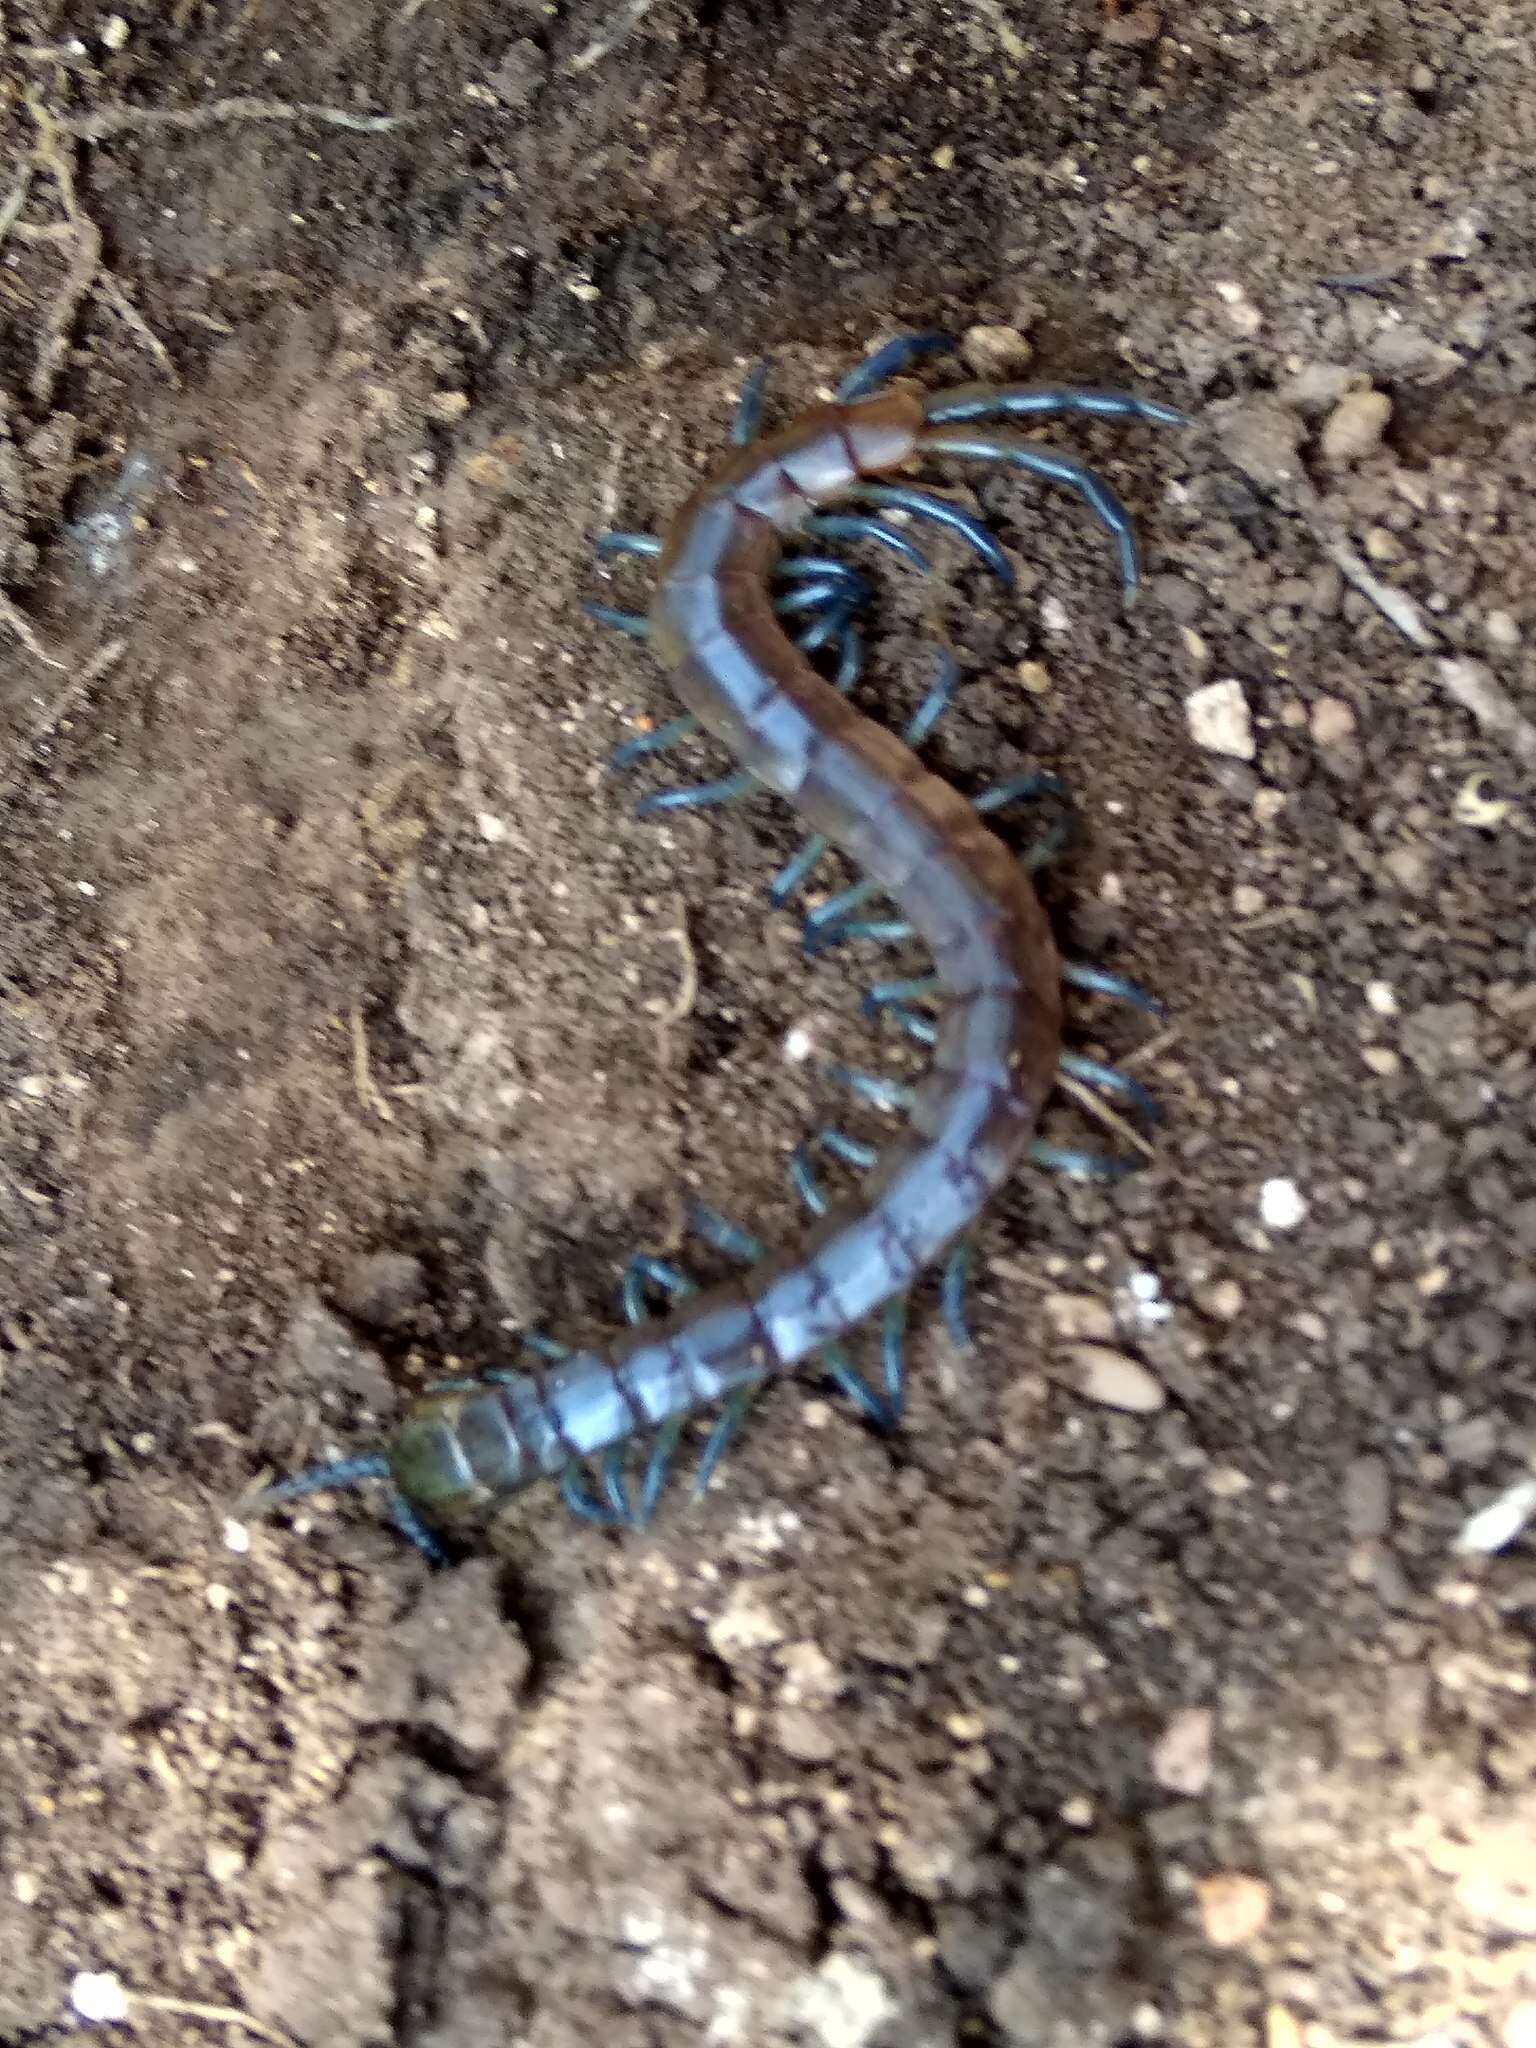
(349, 1022)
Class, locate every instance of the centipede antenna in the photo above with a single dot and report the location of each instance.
(887, 360)
(1002, 446)
(952, 1286)
(749, 406)
(635, 624)
(332, 1478)
(879, 1089)
(1101, 981)
(700, 798)
(1114, 1082)
(647, 743)
(1029, 401)
(941, 512)
(628, 544)
(858, 526)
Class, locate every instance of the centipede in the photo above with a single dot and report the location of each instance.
(755, 615)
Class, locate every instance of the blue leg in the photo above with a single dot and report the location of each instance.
(628, 544)
(1022, 788)
(828, 569)
(635, 624)
(888, 360)
(850, 1381)
(724, 1235)
(581, 1503)
(645, 1271)
(893, 1354)
(658, 1466)
(957, 1271)
(811, 597)
(852, 1151)
(1027, 401)
(610, 1469)
(415, 1530)
(937, 701)
(886, 931)
(1100, 981)
(879, 1089)
(700, 798)
(653, 742)
(1113, 1082)
(719, 1440)
(1079, 1165)
(833, 910)
(333, 1478)
(928, 505)
(857, 526)
(1002, 446)
(749, 407)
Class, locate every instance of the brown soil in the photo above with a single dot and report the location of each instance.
(323, 936)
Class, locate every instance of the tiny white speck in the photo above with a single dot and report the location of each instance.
(97, 1995)
(237, 1537)
(86, 888)
(1054, 616)
(1281, 1205)
(492, 828)
(798, 1044)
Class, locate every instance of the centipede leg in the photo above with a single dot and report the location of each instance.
(415, 1530)
(893, 1354)
(1002, 446)
(941, 512)
(862, 526)
(721, 1437)
(647, 743)
(1029, 401)
(1076, 1164)
(878, 1089)
(635, 624)
(749, 406)
(628, 544)
(1101, 981)
(1113, 1081)
(888, 360)
(952, 1286)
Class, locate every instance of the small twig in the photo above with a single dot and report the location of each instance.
(218, 2015)
(362, 1071)
(623, 24)
(1143, 1055)
(106, 121)
(13, 616)
(15, 200)
(1101, 1112)
(1392, 604)
(1475, 687)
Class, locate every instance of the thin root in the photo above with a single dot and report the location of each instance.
(108, 121)
(13, 616)
(683, 1002)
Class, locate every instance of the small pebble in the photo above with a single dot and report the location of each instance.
(1333, 722)
(1183, 1755)
(1035, 677)
(1112, 1379)
(1519, 2029)
(1367, 1499)
(1500, 1522)
(114, 32)
(1219, 719)
(1501, 632)
(1382, 1060)
(1382, 998)
(1281, 2028)
(382, 1288)
(1356, 425)
(1080, 1316)
(98, 1995)
(1234, 1907)
(1246, 900)
(995, 353)
(448, 407)
(1222, 1300)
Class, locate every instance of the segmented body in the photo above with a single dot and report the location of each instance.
(466, 1447)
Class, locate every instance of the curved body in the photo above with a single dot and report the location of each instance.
(967, 898)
